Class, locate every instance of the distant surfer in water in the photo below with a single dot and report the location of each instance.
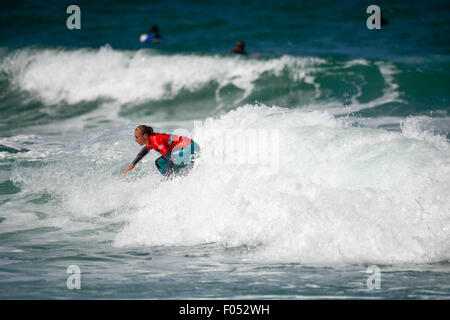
(154, 36)
(177, 151)
(239, 48)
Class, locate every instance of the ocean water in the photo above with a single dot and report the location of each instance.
(325, 166)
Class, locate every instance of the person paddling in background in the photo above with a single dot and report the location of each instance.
(154, 36)
(154, 32)
(239, 48)
(177, 151)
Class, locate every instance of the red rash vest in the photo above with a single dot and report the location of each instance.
(161, 142)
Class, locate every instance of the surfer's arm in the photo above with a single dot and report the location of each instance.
(138, 158)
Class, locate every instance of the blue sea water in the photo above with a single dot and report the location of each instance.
(354, 124)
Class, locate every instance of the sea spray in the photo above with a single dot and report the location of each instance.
(341, 195)
(338, 193)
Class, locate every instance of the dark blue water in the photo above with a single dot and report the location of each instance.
(288, 27)
(361, 123)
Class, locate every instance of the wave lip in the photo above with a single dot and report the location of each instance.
(73, 76)
(107, 84)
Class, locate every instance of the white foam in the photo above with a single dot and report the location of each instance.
(123, 78)
(356, 62)
(341, 195)
(30, 147)
(422, 128)
(73, 76)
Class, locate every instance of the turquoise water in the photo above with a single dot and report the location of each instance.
(350, 168)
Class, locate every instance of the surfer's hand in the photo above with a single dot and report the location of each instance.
(130, 167)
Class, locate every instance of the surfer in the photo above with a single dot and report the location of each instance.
(154, 36)
(239, 48)
(176, 151)
(154, 32)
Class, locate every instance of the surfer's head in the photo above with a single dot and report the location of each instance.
(240, 45)
(142, 133)
(154, 30)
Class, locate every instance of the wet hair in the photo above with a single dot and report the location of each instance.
(154, 29)
(143, 129)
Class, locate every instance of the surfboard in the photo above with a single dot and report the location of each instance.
(149, 38)
(143, 37)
